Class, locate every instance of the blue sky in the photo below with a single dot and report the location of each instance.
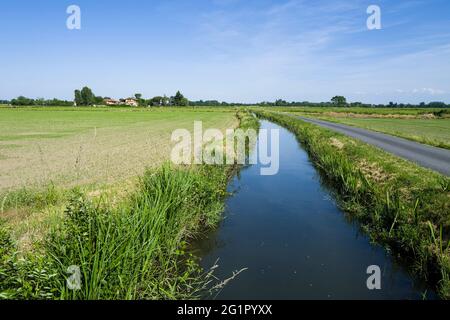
(232, 50)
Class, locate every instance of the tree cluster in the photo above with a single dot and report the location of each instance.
(85, 97)
(24, 101)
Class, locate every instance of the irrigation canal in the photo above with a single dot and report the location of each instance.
(289, 232)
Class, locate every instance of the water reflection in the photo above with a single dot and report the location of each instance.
(295, 241)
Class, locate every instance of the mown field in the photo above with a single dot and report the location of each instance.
(429, 126)
(71, 147)
(114, 210)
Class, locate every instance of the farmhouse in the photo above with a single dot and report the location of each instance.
(131, 102)
(111, 102)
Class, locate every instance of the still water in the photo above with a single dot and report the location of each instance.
(295, 242)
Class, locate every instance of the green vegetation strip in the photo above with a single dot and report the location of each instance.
(435, 132)
(399, 204)
(133, 250)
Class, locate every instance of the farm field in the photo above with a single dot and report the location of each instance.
(71, 147)
(414, 124)
(435, 132)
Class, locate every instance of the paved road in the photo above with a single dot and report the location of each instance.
(427, 156)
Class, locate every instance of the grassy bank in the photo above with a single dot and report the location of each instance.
(401, 205)
(128, 250)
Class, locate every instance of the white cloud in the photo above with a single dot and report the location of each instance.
(430, 91)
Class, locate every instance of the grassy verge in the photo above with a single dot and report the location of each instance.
(435, 132)
(130, 250)
(399, 204)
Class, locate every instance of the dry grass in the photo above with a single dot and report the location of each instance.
(373, 171)
(337, 143)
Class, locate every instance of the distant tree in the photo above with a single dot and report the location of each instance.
(78, 98)
(156, 101)
(339, 101)
(141, 102)
(437, 104)
(87, 96)
(40, 102)
(280, 102)
(22, 101)
(180, 100)
(98, 100)
(165, 100)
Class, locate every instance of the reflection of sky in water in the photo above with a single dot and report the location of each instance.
(296, 243)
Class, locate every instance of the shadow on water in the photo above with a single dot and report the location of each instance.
(289, 232)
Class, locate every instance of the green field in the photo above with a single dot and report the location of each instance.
(426, 126)
(434, 132)
(71, 147)
(129, 236)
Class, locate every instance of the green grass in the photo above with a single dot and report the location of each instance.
(35, 123)
(435, 132)
(134, 249)
(398, 203)
(423, 125)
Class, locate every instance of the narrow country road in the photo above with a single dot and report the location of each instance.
(427, 156)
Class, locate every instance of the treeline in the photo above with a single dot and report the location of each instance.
(160, 101)
(340, 101)
(85, 97)
(215, 103)
(24, 101)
